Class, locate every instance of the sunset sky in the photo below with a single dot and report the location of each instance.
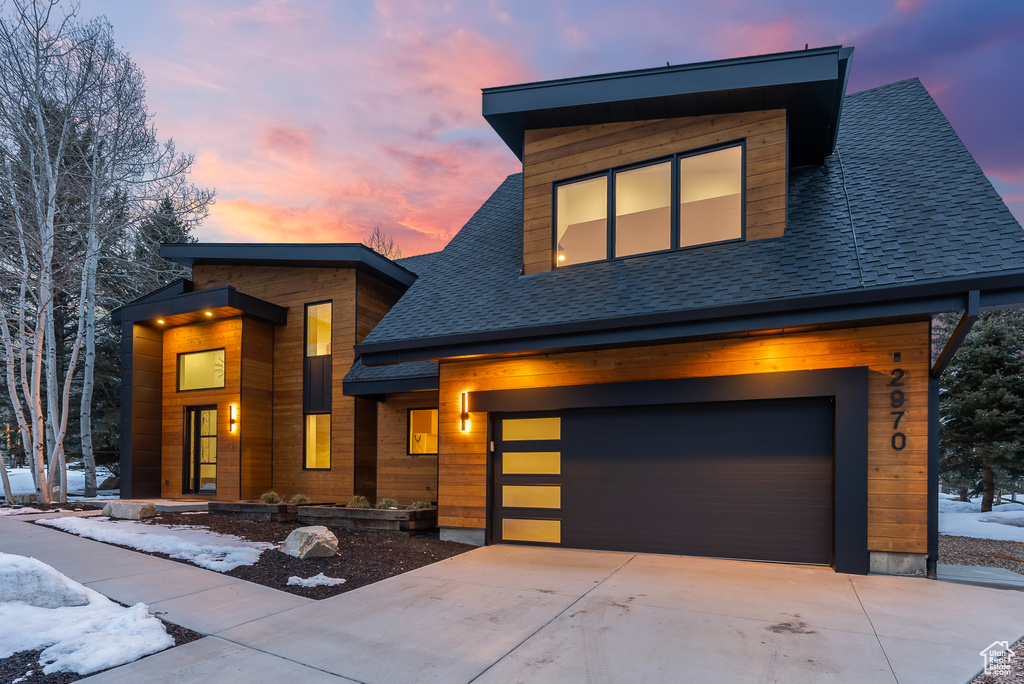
(317, 120)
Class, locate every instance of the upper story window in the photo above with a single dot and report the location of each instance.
(318, 329)
(685, 200)
(201, 370)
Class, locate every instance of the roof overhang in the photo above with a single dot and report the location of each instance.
(860, 307)
(193, 307)
(328, 255)
(808, 84)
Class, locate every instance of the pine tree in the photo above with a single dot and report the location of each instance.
(981, 406)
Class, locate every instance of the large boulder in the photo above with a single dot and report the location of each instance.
(315, 541)
(110, 483)
(129, 510)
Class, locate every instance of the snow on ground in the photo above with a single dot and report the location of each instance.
(21, 482)
(963, 519)
(320, 580)
(25, 510)
(78, 629)
(220, 552)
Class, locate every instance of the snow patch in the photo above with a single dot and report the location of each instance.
(20, 511)
(320, 580)
(219, 552)
(78, 629)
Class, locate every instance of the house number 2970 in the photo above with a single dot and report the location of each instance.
(897, 399)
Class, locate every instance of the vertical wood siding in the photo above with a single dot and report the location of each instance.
(897, 480)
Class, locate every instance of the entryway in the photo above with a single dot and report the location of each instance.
(200, 459)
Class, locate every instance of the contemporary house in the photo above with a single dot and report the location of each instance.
(698, 322)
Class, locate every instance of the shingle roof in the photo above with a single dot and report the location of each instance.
(900, 202)
(399, 371)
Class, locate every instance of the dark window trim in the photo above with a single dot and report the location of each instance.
(186, 465)
(177, 371)
(305, 328)
(609, 175)
(408, 431)
(330, 440)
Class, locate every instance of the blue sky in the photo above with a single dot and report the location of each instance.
(317, 120)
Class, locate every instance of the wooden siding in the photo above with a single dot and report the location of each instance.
(256, 409)
(146, 378)
(226, 334)
(897, 480)
(293, 288)
(554, 154)
(365, 469)
(405, 477)
(373, 300)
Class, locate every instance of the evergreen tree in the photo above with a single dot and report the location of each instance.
(981, 406)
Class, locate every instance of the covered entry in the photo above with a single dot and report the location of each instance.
(761, 467)
(746, 479)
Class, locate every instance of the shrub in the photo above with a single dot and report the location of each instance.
(422, 503)
(271, 497)
(358, 502)
(300, 499)
(387, 502)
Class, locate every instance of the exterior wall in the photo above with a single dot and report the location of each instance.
(405, 477)
(144, 364)
(897, 480)
(373, 299)
(188, 338)
(256, 409)
(294, 288)
(554, 154)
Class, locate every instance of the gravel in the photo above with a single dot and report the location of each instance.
(989, 553)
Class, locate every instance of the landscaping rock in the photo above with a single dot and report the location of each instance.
(310, 542)
(110, 483)
(129, 510)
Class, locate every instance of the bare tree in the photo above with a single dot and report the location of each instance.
(383, 244)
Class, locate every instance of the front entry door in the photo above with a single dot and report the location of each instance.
(200, 476)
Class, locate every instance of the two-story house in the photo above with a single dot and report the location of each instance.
(698, 322)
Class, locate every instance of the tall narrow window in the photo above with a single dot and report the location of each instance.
(318, 329)
(643, 209)
(423, 431)
(582, 221)
(710, 191)
(318, 441)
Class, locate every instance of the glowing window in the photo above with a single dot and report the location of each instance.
(201, 370)
(643, 210)
(531, 463)
(318, 329)
(318, 441)
(520, 429)
(531, 496)
(423, 431)
(548, 531)
(582, 222)
(710, 197)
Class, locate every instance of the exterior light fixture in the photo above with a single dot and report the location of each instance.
(209, 313)
(160, 321)
(232, 418)
(464, 415)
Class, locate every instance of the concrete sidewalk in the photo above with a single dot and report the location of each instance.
(510, 614)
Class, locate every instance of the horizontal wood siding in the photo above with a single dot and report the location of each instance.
(555, 154)
(256, 409)
(405, 477)
(293, 288)
(897, 480)
(226, 334)
(373, 300)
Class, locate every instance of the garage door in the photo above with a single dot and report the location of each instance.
(749, 480)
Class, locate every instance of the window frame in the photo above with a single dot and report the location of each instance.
(305, 328)
(330, 440)
(177, 370)
(609, 175)
(408, 431)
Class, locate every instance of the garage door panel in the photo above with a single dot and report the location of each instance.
(736, 480)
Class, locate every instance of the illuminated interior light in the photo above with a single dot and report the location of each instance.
(464, 415)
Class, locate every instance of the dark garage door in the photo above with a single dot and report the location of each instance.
(750, 479)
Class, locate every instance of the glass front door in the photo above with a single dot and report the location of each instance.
(200, 476)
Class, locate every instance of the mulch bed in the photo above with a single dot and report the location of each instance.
(988, 553)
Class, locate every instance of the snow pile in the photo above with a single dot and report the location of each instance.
(965, 519)
(78, 629)
(21, 480)
(320, 580)
(19, 511)
(206, 549)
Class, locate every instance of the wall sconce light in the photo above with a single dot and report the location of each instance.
(464, 415)
(232, 418)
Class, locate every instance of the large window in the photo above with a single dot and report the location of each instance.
(318, 441)
(201, 370)
(423, 431)
(680, 201)
(318, 329)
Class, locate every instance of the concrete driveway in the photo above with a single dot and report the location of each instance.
(522, 614)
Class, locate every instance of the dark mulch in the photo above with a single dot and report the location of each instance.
(364, 556)
(26, 663)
